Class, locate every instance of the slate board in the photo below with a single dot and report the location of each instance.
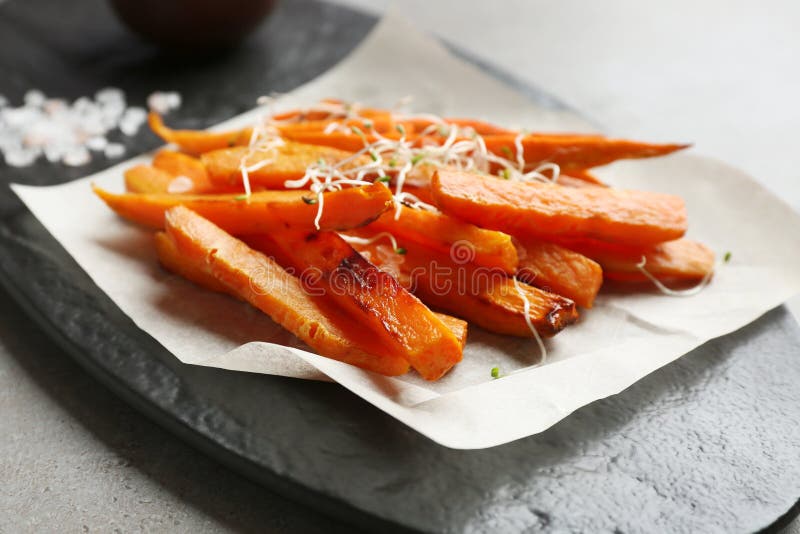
(709, 443)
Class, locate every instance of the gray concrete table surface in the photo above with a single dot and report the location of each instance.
(722, 74)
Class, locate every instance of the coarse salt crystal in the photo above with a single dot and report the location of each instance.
(96, 143)
(20, 157)
(114, 150)
(163, 102)
(76, 157)
(132, 120)
(110, 94)
(34, 97)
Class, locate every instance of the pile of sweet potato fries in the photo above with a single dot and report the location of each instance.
(345, 223)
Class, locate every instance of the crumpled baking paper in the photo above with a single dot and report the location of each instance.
(622, 339)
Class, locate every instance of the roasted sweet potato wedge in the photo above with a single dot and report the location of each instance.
(197, 142)
(286, 162)
(679, 260)
(530, 210)
(375, 299)
(576, 151)
(559, 270)
(199, 245)
(266, 211)
(464, 242)
(147, 179)
(179, 165)
(483, 296)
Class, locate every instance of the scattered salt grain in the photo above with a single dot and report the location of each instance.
(180, 184)
(34, 98)
(63, 131)
(96, 143)
(114, 150)
(20, 157)
(109, 95)
(163, 102)
(132, 120)
(77, 157)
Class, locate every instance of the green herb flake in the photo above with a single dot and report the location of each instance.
(401, 129)
(401, 251)
(507, 152)
(239, 198)
(416, 159)
(506, 173)
(368, 124)
(383, 179)
(727, 257)
(309, 200)
(373, 155)
(393, 163)
(356, 130)
(495, 372)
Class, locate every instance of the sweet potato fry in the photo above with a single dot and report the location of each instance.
(559, 270)
(464, 242)
(263, 283)
(197, 142)
(679, 260)
(348, 142)
(375, 299)
(266, 211)
(484, 296)
(172, 260)
(179, 164)
(147, 179)
(286, 162)
(575, 152)
(553, 211)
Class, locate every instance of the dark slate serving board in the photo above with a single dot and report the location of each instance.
(709, 443)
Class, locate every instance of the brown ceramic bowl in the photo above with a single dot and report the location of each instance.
(193, 23)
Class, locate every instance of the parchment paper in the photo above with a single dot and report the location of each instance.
(622, 339)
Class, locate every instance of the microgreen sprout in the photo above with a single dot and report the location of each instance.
(495, 372)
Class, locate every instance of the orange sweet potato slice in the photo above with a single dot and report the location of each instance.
(179, 164)
(547, 210)
(147, 179)
(464, 242)
(575, 151)
(265, 211)
(483, 296)
(375, 299)
(253, 277)
(172, 260)
(286, 162)
(559, 270)
(197, 142)
(679, 260)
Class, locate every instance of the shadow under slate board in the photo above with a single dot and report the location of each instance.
(708, 443)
